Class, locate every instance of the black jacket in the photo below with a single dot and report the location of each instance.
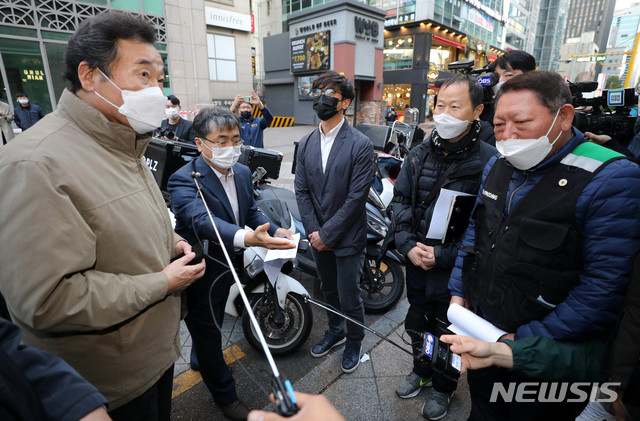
(26, 117)
(36, 385)
(422, 169)
(184, 130)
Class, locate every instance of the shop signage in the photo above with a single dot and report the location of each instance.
(481, 19)
(227, 19)
(494, 14)
(366, 29)
(432, 76)
(311, 53)
(222, 102)
(253, 60)
(316, 26)
(32, 75)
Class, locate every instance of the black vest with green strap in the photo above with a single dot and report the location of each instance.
(524, 265)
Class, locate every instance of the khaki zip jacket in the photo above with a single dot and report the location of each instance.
(85, 236)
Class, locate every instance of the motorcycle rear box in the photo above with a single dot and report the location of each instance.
(265, 158)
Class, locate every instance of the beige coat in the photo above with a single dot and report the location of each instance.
(5, 122)
(85, 236)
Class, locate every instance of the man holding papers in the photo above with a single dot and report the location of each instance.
(448, 164)
(551, 240)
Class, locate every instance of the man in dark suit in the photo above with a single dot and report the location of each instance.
(182, 129)
(335, 166)
(226, 186)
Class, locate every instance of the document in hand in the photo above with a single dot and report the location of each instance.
(464, 322)
(450, 215)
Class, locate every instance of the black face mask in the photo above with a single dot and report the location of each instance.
(245, 114)
(325, 106)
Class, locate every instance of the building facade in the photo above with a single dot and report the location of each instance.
(521, 24)
(590, 16)
(577, 58)
(344, 36)
(624, 27)
(550, 33)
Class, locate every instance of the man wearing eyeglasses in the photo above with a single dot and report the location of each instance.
(226, 186)
(334, 171)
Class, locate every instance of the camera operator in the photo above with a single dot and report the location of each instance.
(508, 65)
(175, 127)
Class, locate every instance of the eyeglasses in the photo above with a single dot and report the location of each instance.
(327, 92)
(223, 143)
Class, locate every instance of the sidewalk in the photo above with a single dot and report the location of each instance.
(369, 392)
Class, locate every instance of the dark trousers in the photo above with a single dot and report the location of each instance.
(206, 337)
(339, 279)
(152, 405)
(481, 383)
(427, 305)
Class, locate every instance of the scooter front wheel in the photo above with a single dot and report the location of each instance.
(284, 336)
(382, 287)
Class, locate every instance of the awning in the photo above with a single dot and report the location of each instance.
(448, 42)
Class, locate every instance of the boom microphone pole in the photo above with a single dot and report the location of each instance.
(282, 391)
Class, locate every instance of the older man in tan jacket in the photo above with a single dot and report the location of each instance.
(84, 265)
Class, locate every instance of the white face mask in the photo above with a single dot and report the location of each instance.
(143, 108)
(449, 127)
(224, 157)
(497, 87)
(172, 112)
(23, 101)
(527, 153)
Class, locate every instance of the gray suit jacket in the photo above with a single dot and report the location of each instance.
(333, 202)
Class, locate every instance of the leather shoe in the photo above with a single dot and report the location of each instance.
(237, 411)
(351, 357)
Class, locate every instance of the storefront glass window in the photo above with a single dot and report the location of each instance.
(55, 56)
(222, 57)
(397, 96)
(153, 7)
(441, 55)
(398, 52)
(133, 5)
(25, 71)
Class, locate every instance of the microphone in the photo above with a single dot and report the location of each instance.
(195, 174)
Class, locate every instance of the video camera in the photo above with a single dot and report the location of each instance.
(602, 119)
(169, 134)
(486, 78)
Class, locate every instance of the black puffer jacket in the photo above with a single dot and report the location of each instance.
(411, 219)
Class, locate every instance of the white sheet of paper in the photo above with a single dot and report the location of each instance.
(465, 322)
(286, 253)
(440, 217)
(272, 269)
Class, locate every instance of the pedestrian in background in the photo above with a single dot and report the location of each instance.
(335, 167)
(27, 114)
(252, 128)
(182, 129)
